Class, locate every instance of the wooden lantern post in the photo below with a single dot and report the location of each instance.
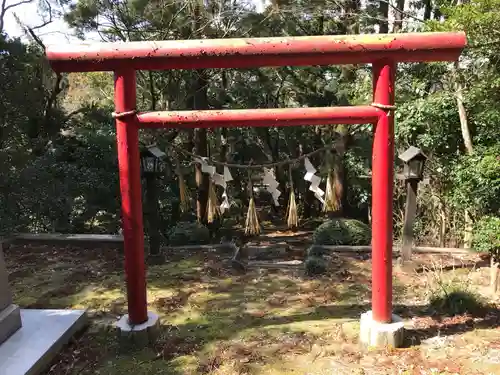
(151, 167)
(413, 172)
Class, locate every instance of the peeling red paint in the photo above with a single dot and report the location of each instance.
(259, 117)
(246, 53)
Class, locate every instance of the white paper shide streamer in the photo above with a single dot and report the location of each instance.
(218, 179)
(205, 167)
(271, 185)
(314, 180)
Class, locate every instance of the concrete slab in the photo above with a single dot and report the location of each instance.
(44, 332)
(58, 239)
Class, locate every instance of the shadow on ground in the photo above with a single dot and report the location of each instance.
(211, 315)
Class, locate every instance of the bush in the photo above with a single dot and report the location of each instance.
(342, 232)
(188, 233)
(457, 302)
(316, 251)
(316, 266)
(486, 237)
(453, 295)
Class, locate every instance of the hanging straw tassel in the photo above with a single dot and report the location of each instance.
(183, 191)
(330, 204)
(213, 209)
(252, 226)
(293, 219)
(292, 216)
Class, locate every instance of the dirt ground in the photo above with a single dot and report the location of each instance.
(215, 321)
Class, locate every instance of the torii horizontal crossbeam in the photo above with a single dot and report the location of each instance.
(248, 53)
(259, 117)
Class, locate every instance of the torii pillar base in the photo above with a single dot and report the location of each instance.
(374, 334)
(138, 336)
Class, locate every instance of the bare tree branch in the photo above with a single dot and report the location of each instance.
(35, 38)
(4, 8)
(45, 23)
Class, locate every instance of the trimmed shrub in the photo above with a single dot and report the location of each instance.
(188, 233)
(316, 266)
(342, 231)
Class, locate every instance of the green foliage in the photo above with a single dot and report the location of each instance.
(476, 181)
(453, 295)
(71, 188)
(188, 233)
(27, 84)
(69, 183)
(342, 232)
(316, 251)
(486, 236)
(315, 265)
(431, 123)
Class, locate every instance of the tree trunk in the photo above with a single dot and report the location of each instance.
(199, 97)
(464, 126)
(152, 91)
(383, 14)
(398, 16)
(351, 27)
(442, 224)
(199, 100)
(468, 224)
(427, 10)
(437, 13)
(338, 168)
(494, 273)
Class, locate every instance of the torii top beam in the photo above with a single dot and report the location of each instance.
(258, 52)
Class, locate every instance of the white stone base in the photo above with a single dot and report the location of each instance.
(375, 334)
(31, 349)
(140, 335)
(10, 322)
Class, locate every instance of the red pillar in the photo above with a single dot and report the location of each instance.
(127, 135)
(382, 187)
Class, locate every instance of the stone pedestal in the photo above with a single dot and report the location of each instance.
(381, 335)
(139, 336)
(10, 315)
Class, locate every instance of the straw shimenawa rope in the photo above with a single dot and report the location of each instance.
(252, 226)
(255, 166)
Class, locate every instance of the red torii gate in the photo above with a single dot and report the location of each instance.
(382, 51)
